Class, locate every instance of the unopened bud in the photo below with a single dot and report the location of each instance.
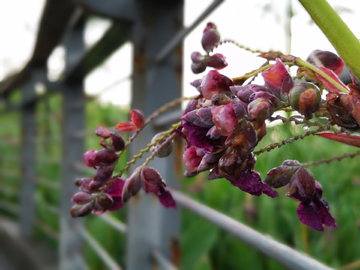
(81, 198)
(281, 176)
(106, 157)
(326, 59)
(117, 142)
(305, 98)
(151, 181)
(197, 68)
(102, 132)
(81, 210)
(103, 202)
(216, 61)
(210, 37)
(162, 148)
(90, 158)
(132, 185)
(103, 174)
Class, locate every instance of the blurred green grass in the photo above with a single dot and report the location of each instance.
(209, 248)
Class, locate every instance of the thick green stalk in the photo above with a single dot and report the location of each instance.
(337, 32)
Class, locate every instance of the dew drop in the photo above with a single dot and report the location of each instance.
(305, 128)
(336, 115)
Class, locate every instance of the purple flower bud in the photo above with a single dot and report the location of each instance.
(224, 118)
(216, 61)
(117, 142)
(265, 95)
(190, 174)
(194, 118)
(210, 37)
(103, 202)
(305, 98)
(213, 134)
(83, 183)
(209, 161)
(91, 159)
(197, 68)
(326, 59)
(205, 116)
(82, 198)
(161, 148)
(106, 157)
(81, 210)
(102, 175)
(102, 132)
(132, 185)
(244, 93)
(196, 57)
(196, 84)
(281, 176)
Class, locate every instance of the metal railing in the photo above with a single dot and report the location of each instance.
(146, 219)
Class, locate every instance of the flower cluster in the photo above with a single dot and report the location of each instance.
(224, 124)
(108, 192)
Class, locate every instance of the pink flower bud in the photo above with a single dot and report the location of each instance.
(224, 119)
(278, 80)
(259, 110)
(214, 83)
(83, 183)
(90, 158)
(192, 158)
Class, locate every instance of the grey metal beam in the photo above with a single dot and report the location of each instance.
(73, 121)
(281, 253)
(28, 163)
(118, 10)
(149, 224)
(83, 64)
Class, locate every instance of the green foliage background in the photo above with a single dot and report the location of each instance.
(203, 246)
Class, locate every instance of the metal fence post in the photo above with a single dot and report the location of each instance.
(154, 84)
(28, 162)
(73, 126)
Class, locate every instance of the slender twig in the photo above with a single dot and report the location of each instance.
(291, 140)
(329, 160)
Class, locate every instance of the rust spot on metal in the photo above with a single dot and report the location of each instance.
(175, 250)
(178, 156)
(140, 61)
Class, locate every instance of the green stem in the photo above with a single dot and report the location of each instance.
(337, 32)
(303, 63)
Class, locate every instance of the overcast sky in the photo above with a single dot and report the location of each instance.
(247, 22)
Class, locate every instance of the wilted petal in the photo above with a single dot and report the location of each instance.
(102, 132)
(353, 140)
(224, 119)
(308, 215)
(137, 118)
(324, 213)
(167, 200)
(126, 127)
